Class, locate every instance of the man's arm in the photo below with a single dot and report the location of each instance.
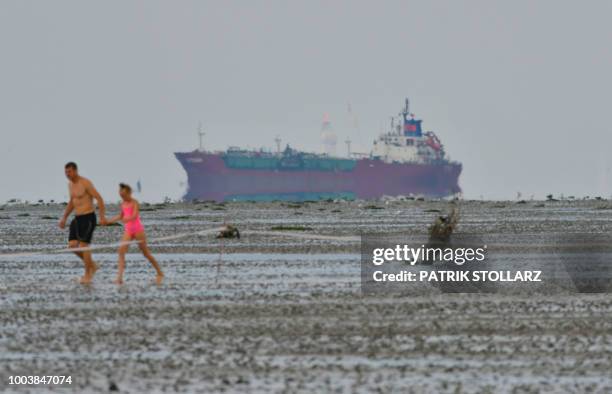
(67, 211)
(101, 208)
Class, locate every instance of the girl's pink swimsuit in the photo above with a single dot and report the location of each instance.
(134, 226)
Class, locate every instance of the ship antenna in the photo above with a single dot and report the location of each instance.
(407, 110)
(201, 135)
(278, 144)
(348, 146)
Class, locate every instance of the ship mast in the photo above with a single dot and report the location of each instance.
(403, 116)
(348, 147)
(278, 144)
(201, 135)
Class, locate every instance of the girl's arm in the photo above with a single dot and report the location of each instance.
(135, 212)
(114, 219)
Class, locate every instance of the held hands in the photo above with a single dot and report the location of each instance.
(104, 221)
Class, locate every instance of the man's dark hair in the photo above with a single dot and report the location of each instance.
(71, 164)
(126, 187)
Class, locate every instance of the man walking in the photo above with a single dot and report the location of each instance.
(82, 194)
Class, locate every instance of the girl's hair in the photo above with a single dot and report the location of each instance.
(126, 187)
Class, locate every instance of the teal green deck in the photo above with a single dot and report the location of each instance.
(294, 163)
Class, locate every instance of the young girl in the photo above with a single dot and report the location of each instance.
(133, 230)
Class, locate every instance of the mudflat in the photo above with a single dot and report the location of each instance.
(267, 313)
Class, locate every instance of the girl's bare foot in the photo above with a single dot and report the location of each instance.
(118, 281)
(159, 279)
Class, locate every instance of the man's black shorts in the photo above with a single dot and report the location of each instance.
(82, 228)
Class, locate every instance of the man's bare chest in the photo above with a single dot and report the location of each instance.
(78, 191)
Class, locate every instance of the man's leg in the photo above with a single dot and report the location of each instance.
(90, 266)
(73, 244)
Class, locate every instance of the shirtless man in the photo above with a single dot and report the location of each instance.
(82, 194)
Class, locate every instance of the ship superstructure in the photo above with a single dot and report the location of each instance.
(407, 143)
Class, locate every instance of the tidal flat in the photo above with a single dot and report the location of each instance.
(272, 313)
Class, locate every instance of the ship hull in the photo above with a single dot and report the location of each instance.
(209, 178)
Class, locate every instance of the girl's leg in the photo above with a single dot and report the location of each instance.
(142, 244)
(122, 251)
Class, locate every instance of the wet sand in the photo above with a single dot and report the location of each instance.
(276, 314)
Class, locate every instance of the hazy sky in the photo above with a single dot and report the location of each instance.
(519, 91)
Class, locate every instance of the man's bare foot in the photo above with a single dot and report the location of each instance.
(89, 274)
(118, 281)
(94, 269)
(159, 279)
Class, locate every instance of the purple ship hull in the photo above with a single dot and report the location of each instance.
(210, 178)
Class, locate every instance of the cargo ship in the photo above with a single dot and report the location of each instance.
(405, 161)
